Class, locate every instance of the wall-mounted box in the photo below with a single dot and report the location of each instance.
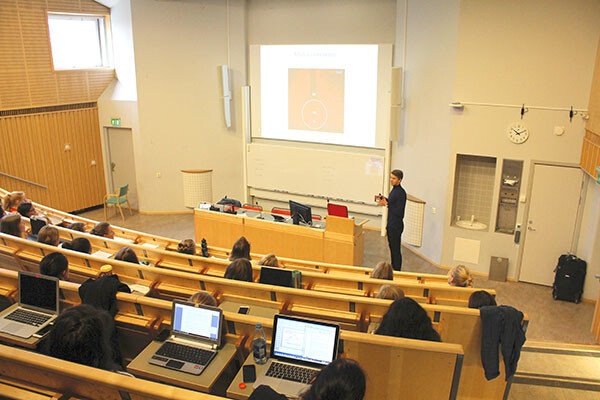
(508, 202)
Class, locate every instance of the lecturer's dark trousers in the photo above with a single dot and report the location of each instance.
(394, 235)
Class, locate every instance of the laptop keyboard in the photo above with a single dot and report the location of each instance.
(28, 317)
(290, 372)
(185, 353)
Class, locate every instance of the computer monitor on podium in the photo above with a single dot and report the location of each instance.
(300, 213)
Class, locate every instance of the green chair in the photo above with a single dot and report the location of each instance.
(116, 200)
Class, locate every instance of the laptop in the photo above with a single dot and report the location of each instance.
(196, 336)
(37, 306)
(280, 277)
(299, 349)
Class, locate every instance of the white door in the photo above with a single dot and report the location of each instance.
(121, 162)
(551, 222)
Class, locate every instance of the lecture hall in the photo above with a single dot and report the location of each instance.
(285, 199)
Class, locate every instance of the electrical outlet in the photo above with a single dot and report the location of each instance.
(158, 175)
(433, 210)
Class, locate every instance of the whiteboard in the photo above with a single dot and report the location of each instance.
(340, 175)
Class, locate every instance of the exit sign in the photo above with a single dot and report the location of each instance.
(115, 121)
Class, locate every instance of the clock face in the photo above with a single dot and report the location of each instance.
(518, 133)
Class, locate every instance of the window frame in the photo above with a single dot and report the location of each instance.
(104, 35)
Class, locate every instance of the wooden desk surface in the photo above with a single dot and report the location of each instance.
(234, 391)
(204, 382)
(258, 311)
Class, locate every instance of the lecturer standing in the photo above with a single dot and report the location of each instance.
(396, 203)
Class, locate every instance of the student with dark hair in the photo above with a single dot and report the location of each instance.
(2, 212)
(103, 229)
(11, 224)
(79, 335)
(241, 249)
(407, 319)
(26, 210)
(239, 270)
(342, 379)
(56, 265)
(79, 244)
(77, 226)
(49, 235)
(187, 246)
(481, 298)
(127, 254)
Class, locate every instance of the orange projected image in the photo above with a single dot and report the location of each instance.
(316, 99)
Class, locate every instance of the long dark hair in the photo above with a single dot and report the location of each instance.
(79, 244)
(342, 379)
(239, 270)
(241, 249)
(407, 319)
(127, 254)
(78, 336)
(11, 224)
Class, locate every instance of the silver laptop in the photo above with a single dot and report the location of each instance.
(196, 336)
(299, 349)
(37, 306)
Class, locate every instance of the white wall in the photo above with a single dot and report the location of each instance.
(422, 151)
(178, 48)
(588, 247)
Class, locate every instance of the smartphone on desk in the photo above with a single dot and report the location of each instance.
(243, 310)
(43, 331)
(249, 372)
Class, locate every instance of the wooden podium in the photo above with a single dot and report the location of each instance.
(341, 242)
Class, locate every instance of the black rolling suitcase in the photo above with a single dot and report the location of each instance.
(569, 278)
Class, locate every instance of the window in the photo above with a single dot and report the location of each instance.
(78, 41)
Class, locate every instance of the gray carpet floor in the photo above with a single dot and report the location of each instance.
(550, 320)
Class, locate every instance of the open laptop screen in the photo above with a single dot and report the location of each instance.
(38, 291)
(198, 321)
(304, 340)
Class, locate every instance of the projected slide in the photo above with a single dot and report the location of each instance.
(316, 99)
(319, 93)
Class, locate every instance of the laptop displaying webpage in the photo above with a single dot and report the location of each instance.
(37, 291)
(305, 341)
(200, 322)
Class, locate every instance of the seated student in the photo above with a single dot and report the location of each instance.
(80, 335)
(241, 249)
(11, 224)
(56, 265)
(103, 229)
(187, 246)
(101, 292)
(342, 379)
(203, 298)
(270, 260)
(387, 292)
(383, 270)
(390, 292)
(460, 276)
(77, 226)
(239, 270)
(12, 200)
(481, 298)
(49, 235)
(26, 210)
(79, 244)
(127, 254)
(407, 319)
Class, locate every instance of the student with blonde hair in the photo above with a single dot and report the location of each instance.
(390, 292)
(383, 270)
(270, 260)
(49, 235)
(203, 298)
(11, 201)
(460, 276)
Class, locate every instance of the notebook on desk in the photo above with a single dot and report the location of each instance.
(37, 306)
(299, 349)
(196, 336)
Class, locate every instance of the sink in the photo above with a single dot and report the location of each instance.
(476, 226)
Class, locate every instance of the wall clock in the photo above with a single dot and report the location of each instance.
(517, 133)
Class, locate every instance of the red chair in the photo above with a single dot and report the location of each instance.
(252, 207)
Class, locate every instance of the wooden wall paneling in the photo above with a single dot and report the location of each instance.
(34, 149)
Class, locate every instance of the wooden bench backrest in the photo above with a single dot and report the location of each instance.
(25, 369)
